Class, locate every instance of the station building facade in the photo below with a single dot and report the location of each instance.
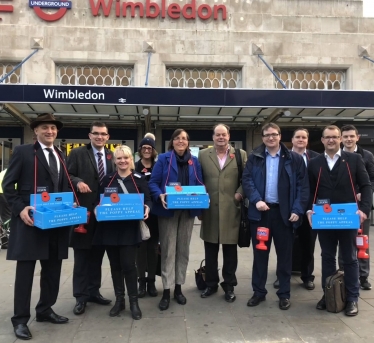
(308, 44)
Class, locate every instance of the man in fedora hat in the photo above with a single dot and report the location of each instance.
(28, 243)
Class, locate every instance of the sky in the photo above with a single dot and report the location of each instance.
(368, 8)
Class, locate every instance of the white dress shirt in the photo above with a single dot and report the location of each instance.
(46, 154)
(331, 161)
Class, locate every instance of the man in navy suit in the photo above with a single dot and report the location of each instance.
(333, 177)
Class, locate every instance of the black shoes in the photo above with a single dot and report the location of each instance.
(134, 308)
(321, 305)
(164, 304)
(365, 284)
(79, 308)
(208, 292)
(180, 298)
(142, 287)
(309, 285)
(284, 304)
(351, 308)
(52, 318)
(230, 296)
(276, 284)
(151, 288)
(255, 300)
(22, 332)
(99, 299)
(119, 306)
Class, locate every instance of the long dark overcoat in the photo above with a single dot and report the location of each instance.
(28, 242)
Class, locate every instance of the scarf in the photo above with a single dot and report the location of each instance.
(183, 172)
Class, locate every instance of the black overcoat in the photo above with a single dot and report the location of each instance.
(28, 242)
(82, 167)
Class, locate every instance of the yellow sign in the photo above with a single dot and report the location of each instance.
(71, 146)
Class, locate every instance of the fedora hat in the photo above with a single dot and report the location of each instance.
(46, 118)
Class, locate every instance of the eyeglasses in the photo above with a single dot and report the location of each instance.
(146, 148)
(102, 134)
(331, 137)
(273, 135)
(180, 139)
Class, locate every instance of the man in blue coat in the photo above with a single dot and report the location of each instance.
(276, 183)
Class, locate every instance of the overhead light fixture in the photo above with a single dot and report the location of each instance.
(286, 113)
(146, 110)
(326, 118)
(96, 115)
(207, 117)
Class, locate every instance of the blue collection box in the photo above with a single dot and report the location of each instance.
(335, 216)
(53, 210)
(125, 207)
(187, 197)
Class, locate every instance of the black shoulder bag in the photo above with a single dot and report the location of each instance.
(244, 239)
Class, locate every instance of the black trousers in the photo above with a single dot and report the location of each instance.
(307, 240)
(49, 285)
(123, 258)
(283, 241)
(147, 258)
(230, 264)
(329, 240)
(87, 272)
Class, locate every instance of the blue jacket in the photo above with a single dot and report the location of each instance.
(164, 172)
(293, 184)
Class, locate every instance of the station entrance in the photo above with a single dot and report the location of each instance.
(130, 112)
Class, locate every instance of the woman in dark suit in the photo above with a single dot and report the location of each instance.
(147, 258)
(175, 226)
(122, 238)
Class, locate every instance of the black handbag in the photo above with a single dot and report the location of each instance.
(200, 277)
(244, 239)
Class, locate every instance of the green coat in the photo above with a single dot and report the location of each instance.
(220, 223)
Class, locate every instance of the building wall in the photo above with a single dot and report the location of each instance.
(291, 33)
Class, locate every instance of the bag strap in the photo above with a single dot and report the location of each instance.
(201, 264)
(124, 189)
(239, 162)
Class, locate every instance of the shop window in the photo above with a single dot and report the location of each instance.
(94, 75)
(311, 79)
(5, 68)
(203, 78)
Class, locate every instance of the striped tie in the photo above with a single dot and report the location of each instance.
(101, 167)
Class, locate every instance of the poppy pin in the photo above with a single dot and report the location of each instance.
(327, 208)
(114, 198)
(190, 162)
(232, 156)
(178, 188)
(109, 157)
(45, 197)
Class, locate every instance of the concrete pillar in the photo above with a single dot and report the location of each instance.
(28, 136)
(159, 142)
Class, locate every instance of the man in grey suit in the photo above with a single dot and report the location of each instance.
(87, 166)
